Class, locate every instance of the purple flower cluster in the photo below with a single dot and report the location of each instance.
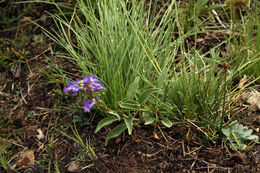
(73, 87)
(92, 83)
(89, 84)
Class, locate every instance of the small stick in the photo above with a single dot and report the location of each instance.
(162, 134)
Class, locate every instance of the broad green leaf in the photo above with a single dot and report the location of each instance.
(248, 132)
(253, 137)
(239, 135)
(132, 89)
(226, 132)
(166, 106)
(132, 102)
(129, 124)
(166, 122)
(162, 77)
(150, 121)
(130, 105)
(105, 122)
(115, 132)
(145, 95)
(114, 113)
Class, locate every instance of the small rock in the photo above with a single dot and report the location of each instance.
(40, 134)
(253, 98)
(26, 159)
(74, 167)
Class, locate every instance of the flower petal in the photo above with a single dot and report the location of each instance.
(88, 105)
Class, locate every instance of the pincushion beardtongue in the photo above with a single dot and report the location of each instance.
(90, 84)
(72, 88)
(88, 105)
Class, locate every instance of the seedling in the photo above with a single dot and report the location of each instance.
(239, 136)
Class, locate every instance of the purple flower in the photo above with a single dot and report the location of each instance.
(89, 83)
(96, 86)
(72, 87)
(92, 83)
(90, 79)
(88, 105)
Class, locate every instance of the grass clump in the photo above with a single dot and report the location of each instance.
(132, 49)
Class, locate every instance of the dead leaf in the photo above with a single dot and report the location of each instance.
(253, 99)
(242, 82)
(156, 136)
(21, 116)
(149, 155)
(26, 159)
(118, 139)
(36, 37)
(17, 74)
(6, 95)
(138, 140)
(74, 167)
(200, 40)
(45, 117)
(26, 19)
(40, 134)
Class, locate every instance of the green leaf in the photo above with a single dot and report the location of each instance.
(166, 106)
(145, 115)
(150, 121)
(129, 124)
(239, 135)
(226, 132)
(133, 105)
(114, 113)
(145, 95)
(166, 122)
(105, 122)
(132, 89)
(115, 132)
(131, 102)
(162, 77)
(253, 137)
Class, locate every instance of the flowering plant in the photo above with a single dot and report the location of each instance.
(91, 85)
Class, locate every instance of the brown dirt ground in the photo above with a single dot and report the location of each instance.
(24, 91)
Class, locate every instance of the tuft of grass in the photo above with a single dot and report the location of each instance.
(245, 45)
(199, 94)
(192, 12)
(7, 155)
(87, 150)
(123, 44)
(118, 45)
(133, 50)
